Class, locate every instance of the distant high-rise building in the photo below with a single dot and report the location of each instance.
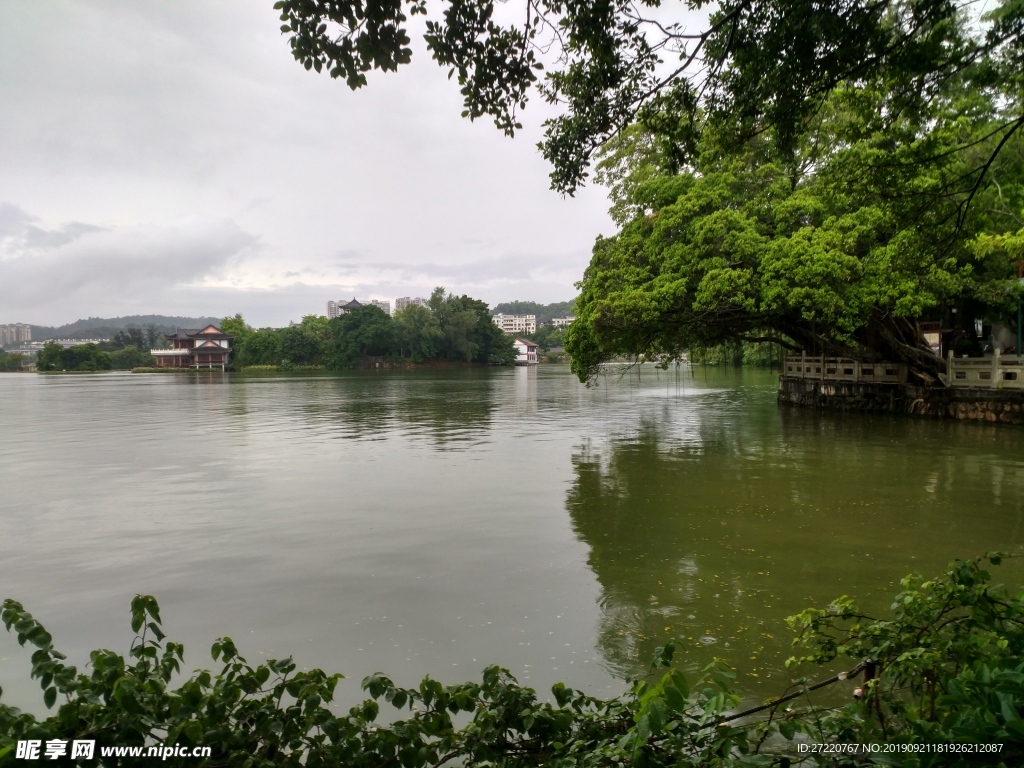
(15, 333)
(332, 309)
(405, 302)
(385, 305)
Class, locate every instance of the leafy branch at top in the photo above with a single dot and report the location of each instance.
(751, 65)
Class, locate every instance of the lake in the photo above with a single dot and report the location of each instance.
(437, 521)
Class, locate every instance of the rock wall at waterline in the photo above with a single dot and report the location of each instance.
(990, 405)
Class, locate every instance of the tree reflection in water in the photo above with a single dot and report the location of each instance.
(716, 529)
(451, 410)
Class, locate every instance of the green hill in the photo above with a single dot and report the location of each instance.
(544, 312)
(106, 327)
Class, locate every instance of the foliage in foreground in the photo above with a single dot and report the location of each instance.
(947, 667)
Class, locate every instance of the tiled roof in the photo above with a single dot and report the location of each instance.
(192, 333)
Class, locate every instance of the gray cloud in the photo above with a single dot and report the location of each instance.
(193, 266)
(151, 140)
(46, 271)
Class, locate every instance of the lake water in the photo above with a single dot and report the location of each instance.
(438, 521)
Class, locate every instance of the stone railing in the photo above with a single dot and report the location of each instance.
(822, 368)
(163, 352)
(993, 371)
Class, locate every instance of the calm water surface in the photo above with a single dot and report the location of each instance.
(435, 522)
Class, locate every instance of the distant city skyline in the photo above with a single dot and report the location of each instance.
(13, 333)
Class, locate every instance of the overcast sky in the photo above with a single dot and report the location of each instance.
(172, 158)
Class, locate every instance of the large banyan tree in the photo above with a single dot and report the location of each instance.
(823, 173)
(842, 246)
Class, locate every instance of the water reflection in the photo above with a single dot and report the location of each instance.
(714, 524)
(453, 412)
(525, 388)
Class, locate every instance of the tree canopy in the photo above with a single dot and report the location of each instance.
(841, 246)
(82, 357)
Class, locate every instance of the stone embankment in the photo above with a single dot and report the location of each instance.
(989, 388)
(1004, 406)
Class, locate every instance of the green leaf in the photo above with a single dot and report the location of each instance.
(194, 731)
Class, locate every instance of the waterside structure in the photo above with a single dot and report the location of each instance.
(989, 388)
(526, 351)
(195, 348)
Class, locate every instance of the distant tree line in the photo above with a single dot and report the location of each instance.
(91, 357)
(543, 312)
(450, 327)
(10, 361)
(133, 336)
(759, 354)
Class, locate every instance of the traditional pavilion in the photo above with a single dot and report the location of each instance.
(207, 347)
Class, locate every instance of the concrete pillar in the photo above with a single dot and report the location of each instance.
(996, 378)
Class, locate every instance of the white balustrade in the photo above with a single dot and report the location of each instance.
(823, 368)
(995, 371)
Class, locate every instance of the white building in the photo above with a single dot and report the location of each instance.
(385, 305)
(513, 324)
(562, 322)
(526, 351)
(332, 309)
